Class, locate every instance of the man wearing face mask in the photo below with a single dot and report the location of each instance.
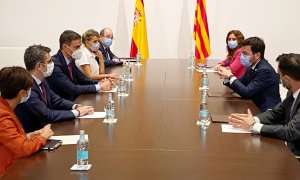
(67, 80)
(283, 122)
(106, 37)
(44, 106)
(260, 82)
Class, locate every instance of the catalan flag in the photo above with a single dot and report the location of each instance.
(201, 34)
(139, 33)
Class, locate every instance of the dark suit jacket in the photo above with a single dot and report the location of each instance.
(278, 124)
(35, 113)
(107, 52)
(262, 86)
(63, 85)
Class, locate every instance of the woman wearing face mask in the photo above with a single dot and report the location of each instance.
(233, 41)
(15, 88)
(88, 63)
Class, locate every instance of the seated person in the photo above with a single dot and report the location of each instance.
(283, 122)
(88, 63)
(44, 106)
(67, 80)
(105, 39)
(15, 88)
(260, 82)
(234, 39)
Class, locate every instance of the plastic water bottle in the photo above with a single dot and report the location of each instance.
(204, 116)
(138, 58)
(82, 150)
(128, 71)
(110, 109)
(204, 80)
(122, 84)
(191, 62)
(204, 96)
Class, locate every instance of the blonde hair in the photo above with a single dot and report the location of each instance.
(88, 35)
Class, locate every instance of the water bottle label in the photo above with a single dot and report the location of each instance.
(82, 155)
(203, 113)
(204, 81)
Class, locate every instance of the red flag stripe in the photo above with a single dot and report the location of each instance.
(134, 49)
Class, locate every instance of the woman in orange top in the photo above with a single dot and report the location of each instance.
(15, 88)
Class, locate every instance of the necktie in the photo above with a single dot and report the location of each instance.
(44, 93)
(70, 67)
(108, 57)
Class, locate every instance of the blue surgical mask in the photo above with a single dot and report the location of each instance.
(245, 60)
(25, 99)
(232, 44)
(107, 42)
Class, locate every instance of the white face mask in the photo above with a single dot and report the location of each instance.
(95, 46)
(76, 54)
(49, 71)
(25, 99)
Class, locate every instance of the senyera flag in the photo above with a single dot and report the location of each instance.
(139, 32)
(201, 33)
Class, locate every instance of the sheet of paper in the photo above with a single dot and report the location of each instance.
(113, 90)
(227, 128)
(68, 139)
(207, 70)
(76, 167)
(95, 115)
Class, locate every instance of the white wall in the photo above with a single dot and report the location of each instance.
(169, 24)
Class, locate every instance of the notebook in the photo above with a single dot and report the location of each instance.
(219, 118)
(52, 144)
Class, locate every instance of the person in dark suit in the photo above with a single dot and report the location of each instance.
(283, 122)
(260, 82)
(67, 80)
(105, 39)
(44, 106)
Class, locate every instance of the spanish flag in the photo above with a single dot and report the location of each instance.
(201, 34)
(139, 33)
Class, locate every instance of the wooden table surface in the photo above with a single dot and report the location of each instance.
(156, 136)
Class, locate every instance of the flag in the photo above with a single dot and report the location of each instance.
(139, 32)
(201, 34)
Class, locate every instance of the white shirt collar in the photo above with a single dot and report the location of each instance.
(295, 94)
(88, 52)
(67, 60)
(253, 67)
(37, 80)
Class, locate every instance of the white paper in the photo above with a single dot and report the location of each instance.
(110, 121)
(76, 167)
(95, 115)
(207, 70)
(68, 139)
(227, 128)
(123, 95)
(113, 90)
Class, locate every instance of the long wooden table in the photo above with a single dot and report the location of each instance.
(156, 136)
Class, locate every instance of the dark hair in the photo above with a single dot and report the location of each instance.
(67, 37)
(240, 37)
(13, 80)
(256, 44)
(34, 54)
(289, 64)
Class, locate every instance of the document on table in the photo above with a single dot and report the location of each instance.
(207, 70)
(113, 90)
(95, 115)
(227, 128)
(68, 139)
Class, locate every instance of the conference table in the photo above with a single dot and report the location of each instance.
(156, 136)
